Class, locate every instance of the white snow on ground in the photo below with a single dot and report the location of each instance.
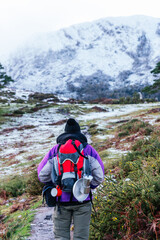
(118, 111)
(34, 143)
(105, 136)
(114, 152)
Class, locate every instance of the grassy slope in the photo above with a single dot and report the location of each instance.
(111, 137)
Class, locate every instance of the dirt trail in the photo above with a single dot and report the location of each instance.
(42, 225)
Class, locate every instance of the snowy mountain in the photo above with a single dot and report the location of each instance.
(90, 60)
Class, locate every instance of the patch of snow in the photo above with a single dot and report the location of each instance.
(114, 152)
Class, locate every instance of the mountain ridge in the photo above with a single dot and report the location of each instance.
(107, 55)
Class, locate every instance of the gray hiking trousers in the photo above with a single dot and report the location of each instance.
(81, 215)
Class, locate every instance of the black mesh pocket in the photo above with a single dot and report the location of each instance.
(49, 199)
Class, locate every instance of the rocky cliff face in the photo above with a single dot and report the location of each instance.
(90, 60)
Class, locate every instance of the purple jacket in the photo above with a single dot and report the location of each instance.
(96, 165)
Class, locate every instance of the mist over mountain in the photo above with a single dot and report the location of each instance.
(105, 58)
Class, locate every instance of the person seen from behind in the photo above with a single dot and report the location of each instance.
(72, 152)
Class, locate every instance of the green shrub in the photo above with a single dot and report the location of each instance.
(148, 131)
(135, 126)
(143, 149)
(123, 134)
(127, 209)
(93, 129)
(13, 186)
(17, 185)
(127, 204)
(33, 185)
(134, 120)
(147, 147)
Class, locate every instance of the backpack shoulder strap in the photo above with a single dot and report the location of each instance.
(73, 143)
(60, 144)
(86, 165)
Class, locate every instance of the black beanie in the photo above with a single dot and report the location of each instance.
(72, 126)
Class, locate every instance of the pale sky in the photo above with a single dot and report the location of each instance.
(20, 19)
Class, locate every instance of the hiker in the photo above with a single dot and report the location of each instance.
(68, 208)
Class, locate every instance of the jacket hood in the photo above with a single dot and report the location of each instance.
(75, 136)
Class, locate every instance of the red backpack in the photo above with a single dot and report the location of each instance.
(72, 164)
